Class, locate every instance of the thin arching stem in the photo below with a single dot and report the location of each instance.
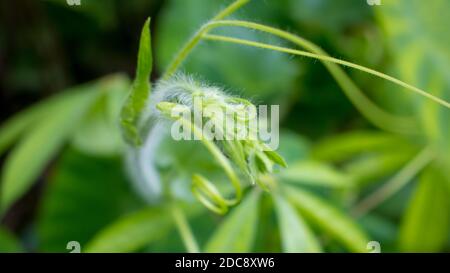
(326, 59)
(371, 111)
(187, 48)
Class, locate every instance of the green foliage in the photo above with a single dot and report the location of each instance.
(41, 143)
(132, 232)
(72, 208)
(261, 75)
(296, 236)
(237, 231)
(427, 220)
(140, 90)
(315, 173)
(41, 132)
(422, 58)
(326, 217)
(344, 181)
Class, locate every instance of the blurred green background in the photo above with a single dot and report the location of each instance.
(63, 172)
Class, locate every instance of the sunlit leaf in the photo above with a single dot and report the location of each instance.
(40, 144)
(426, 223)
(328, 218)
(344, 146)
(315, 173)
(238, 230)
(372, 167)
(296, 236)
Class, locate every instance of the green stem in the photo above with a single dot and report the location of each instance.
(326, 59)
(396, 183)
(371, 111)
(187, 48)
(185, 231)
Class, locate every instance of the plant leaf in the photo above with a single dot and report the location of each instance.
(329, 219)
(75, 206)
(426, 222)
(420, 41)
(342, 147)
(315, 173)
(46, 137)
(140, 91)
(296, 236)
(98, 133)
(12, 129)
(132, 232)
(238, 230)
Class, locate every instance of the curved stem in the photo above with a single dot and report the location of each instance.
(185, 231)
(326, 59)
(371, 111)
(187, 48)
(396, 183)
(208, 188)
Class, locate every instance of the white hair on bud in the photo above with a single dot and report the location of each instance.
(180, 89)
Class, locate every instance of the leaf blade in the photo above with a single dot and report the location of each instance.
(329, 219)
(140, 90)
(296, 236)
(237, 232)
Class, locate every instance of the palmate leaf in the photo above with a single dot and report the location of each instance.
(316, 174)
(426, 223)
(12, 129)
(238, 230)
(296, 236)
(40, 144)
(135, 104)
(329, 219)
(84, 194)
(132, 232)
(41, 132)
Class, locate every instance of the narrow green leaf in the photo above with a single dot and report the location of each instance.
(315, 173)
(132, 232)
(296, 236)
(342, 147)
(426, 223)
(140, 91)
(41, 143)
(329, 219)
(8, 243)
(372, 167)
(238, 230)
(12, 129)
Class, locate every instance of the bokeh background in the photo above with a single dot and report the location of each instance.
(81, 188)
